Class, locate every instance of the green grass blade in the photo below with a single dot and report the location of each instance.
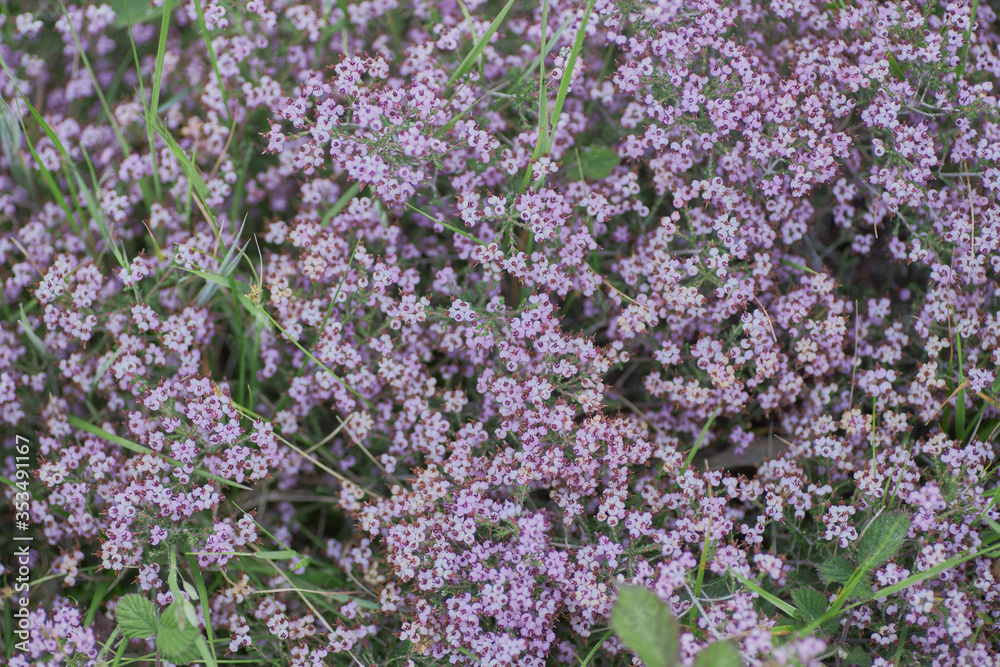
(227, 266)
(10, 144)
(546, 147)
(161, 53)
(776, 601)
(222, 281)
(341, 202)
(76, 422)
(543, 100)
(36, 342)
(470, 58)
(568, 72)
(597, 646)
(928, 574)
(152, 110)
(472, 31)
(199, 583)
(157, 188)
(536, 63)
(257, 309)
(54, 138)
(122, 142)
(964, 58)
(96, 212)
(701, 436)
(446, 225)
(191, 171)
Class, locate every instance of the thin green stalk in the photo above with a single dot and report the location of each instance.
(960, 399)
(312, 357)
(341, 202)
(76, 422)
(546, 50)
(543, 101)
(446, 225)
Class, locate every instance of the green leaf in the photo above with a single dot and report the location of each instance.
(719, 654)
(701, 436)
(133, 11)
(812, 606)
(136, 617)
(280, 554)
(597, 162)
(883, 538)
(835, 570)
(176, 638)
(796, 265)
(226, 268)
(645, 625)
(811, 603)
(857, 656)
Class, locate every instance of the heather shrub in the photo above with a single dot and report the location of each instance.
(500, 333)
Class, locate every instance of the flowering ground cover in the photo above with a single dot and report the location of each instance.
(474, 332)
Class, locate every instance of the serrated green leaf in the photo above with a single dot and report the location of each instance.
(810, 603)
(863, 590)
(719, 654)
(857, 656)
(835, 570)
(597, 162)
(184, 657)
(645, 625)
(136, 617)
(176, 639)
(883, 538)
